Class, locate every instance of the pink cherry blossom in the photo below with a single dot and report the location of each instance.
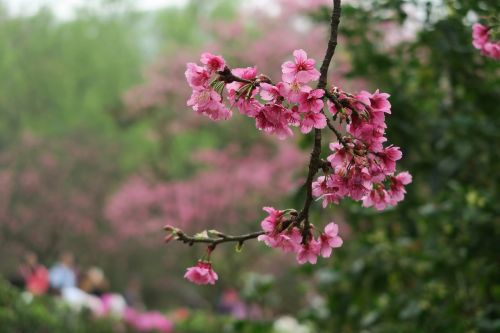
(480, 35)
(292, 89)
(359, 184)
(288, 240)
(291, 239)
(330, 239)
(202, 273)
(492, 49)
(212, 62)
(271, 240)
(331, 107)
(245, 101)
(302, 69)
(270, 93)
(331, 189)
(274, 119)
(208, 102)
(272, 221)
(397, 189)
(196, 76)
(367, 123)
(247, 73)
(481, 40)
(311, 101)
(369, 133)
(340, 155)
(320, 190)
(310, 120)
(388, 157)
(293, 116)
(378, 198)
(309, 252)
(247, 105)
(377, 101)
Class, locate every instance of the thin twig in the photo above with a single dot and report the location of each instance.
(181, 236)
(334, 130)
(227, 76)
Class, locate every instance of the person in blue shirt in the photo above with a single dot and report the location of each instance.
(62, 275)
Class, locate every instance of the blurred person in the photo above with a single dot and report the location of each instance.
(78, 299)
(288, 324)
(94, 282)
(230, 303)
(112, 304)
(34, 275)
(17, 281)
(179, 315)
(133, 293)
(92, 293)
(62, 275)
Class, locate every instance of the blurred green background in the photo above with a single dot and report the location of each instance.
(98, 151)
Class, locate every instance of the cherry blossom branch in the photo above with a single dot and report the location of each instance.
(204, 237)
(213, 242)
(315, 163)
(360, 167)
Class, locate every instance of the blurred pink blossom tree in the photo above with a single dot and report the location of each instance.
(52, 193)
(225, 191)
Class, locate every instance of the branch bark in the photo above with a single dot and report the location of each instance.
(213, 242)
(334, 130)
(332, 44)
(314, 163)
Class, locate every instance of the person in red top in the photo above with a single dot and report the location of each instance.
(35, 275)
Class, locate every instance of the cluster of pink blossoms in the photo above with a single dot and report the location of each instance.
(481, 39)
(290, 102)
(360, 166)
(287, 237)
(205, 99)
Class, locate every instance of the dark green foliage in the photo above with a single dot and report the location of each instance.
(432, 263)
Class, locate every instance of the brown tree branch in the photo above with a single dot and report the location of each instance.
(227, 76)
(332, 44)
(314, 163)
(337, 133)
(222, 238)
